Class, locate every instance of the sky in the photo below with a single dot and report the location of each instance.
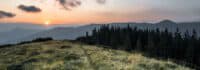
(98, 11)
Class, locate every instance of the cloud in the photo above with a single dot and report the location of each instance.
(32, 9)
(101, 1)
(4, 14)
(68, 4)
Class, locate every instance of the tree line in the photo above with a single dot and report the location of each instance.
(156, 43)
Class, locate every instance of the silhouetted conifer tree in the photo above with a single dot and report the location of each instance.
(159, 43)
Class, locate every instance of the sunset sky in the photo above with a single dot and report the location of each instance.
(93, 11)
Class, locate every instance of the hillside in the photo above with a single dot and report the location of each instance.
(18, 32)
(64, 55)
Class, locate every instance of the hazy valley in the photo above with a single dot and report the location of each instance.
(71, 32)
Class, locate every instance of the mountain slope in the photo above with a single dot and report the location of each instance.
(16, 33)
(71, 33)
(61, 33)
(64, 55)
(4, 27)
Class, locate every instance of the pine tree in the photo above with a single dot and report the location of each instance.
(154, 42)
(139, 45)
(127, 43)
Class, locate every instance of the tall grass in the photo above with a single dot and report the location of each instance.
(64, 55)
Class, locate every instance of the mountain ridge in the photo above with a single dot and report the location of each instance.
(71, 33)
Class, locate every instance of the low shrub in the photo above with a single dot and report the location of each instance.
(65, 46)
(15, 67)
(42, 39)
(36, 40)
(6, 45)
(71, 57)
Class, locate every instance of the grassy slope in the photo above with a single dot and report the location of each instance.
(63, 55)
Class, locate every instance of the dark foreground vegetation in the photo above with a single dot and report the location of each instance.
(184, 49)
(37, 40)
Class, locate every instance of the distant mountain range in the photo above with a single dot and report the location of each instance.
(11, 26)
(15, 34)
(71, 33)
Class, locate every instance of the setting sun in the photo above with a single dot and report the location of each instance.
(47, 22)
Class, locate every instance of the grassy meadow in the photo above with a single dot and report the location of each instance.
(65, 55)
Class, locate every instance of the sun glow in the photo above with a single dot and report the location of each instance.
(47, 22)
